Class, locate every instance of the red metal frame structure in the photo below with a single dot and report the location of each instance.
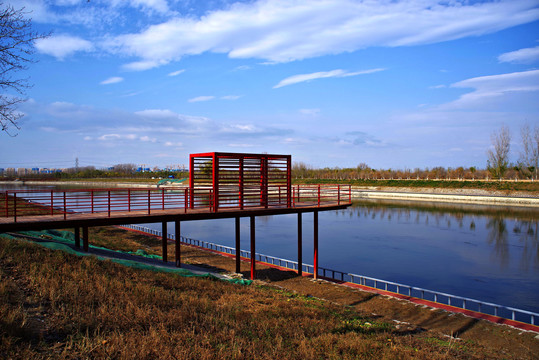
(241, 180)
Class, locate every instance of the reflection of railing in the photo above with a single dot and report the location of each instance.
(369, 282)
(17, 203)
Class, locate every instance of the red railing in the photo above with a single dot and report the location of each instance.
(19, 203)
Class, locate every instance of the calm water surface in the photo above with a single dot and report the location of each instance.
(487, 253)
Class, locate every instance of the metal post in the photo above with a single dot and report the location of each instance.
(185, 200)
(52, 202)
(240, 184)
(300, 250)
(238, 250)
(315, 259)
(7, 205)
(177, 233)
(85, 238)
(149, 202)
(15, 206)
(318, 195)
(129, 200)
(65, 207)
(108, 205)
(162, 199)
(164, 240)
(92, 200)
(253, 258)
(77, 237)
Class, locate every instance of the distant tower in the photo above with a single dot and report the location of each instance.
(77, 164)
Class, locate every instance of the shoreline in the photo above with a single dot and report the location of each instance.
(457, 196)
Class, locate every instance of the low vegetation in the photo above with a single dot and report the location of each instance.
(56, 305)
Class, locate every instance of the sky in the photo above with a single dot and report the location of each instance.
(398, 84)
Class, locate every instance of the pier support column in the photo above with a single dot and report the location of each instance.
(300, 246)
(85, 238)
(238, 245)
(315, 259)
(253, 257)
(77, 237)
(177, 232)
(164, 240)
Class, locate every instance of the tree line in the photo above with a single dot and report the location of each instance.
(498, 167)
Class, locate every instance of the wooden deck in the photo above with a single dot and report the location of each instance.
(82, 219)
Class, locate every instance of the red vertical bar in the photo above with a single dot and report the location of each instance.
(318, 195)
(215, 182)
(52, 202)
(108, 205)
(241, 190)
(288, 180)
(293, 198)
(185, 199)
(92, 200)
(149, 202)
(65, 207)
(129, 200)
(191, 179)
(300, 244)
(238, 250)
(162, 199)
(339, 194)
(350, 194)
(315, 240)
(253, 248)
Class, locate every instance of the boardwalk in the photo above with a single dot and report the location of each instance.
(86, 208)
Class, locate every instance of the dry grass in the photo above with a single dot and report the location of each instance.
(56, 305)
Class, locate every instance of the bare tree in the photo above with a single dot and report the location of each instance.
(498, 159)
(16, 50)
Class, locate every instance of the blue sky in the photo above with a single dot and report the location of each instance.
(394, 84)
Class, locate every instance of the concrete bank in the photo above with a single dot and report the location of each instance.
(360, 194)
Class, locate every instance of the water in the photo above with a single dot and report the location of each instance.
(486, 253)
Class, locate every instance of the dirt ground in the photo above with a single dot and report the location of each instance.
(417, 320)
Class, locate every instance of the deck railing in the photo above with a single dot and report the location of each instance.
(371, 282)
(19, 203)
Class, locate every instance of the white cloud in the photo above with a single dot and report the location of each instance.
(177, 72)
(109, 137)
(524, 56)
(494, 87)
(437, 87)
(281, 31)
(170, 143)
(112, 80)
(323, 74)
(61, 46)
(201, 98)
(230, 97)
(147, 138)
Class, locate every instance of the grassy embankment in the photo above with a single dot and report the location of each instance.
(63, 306)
